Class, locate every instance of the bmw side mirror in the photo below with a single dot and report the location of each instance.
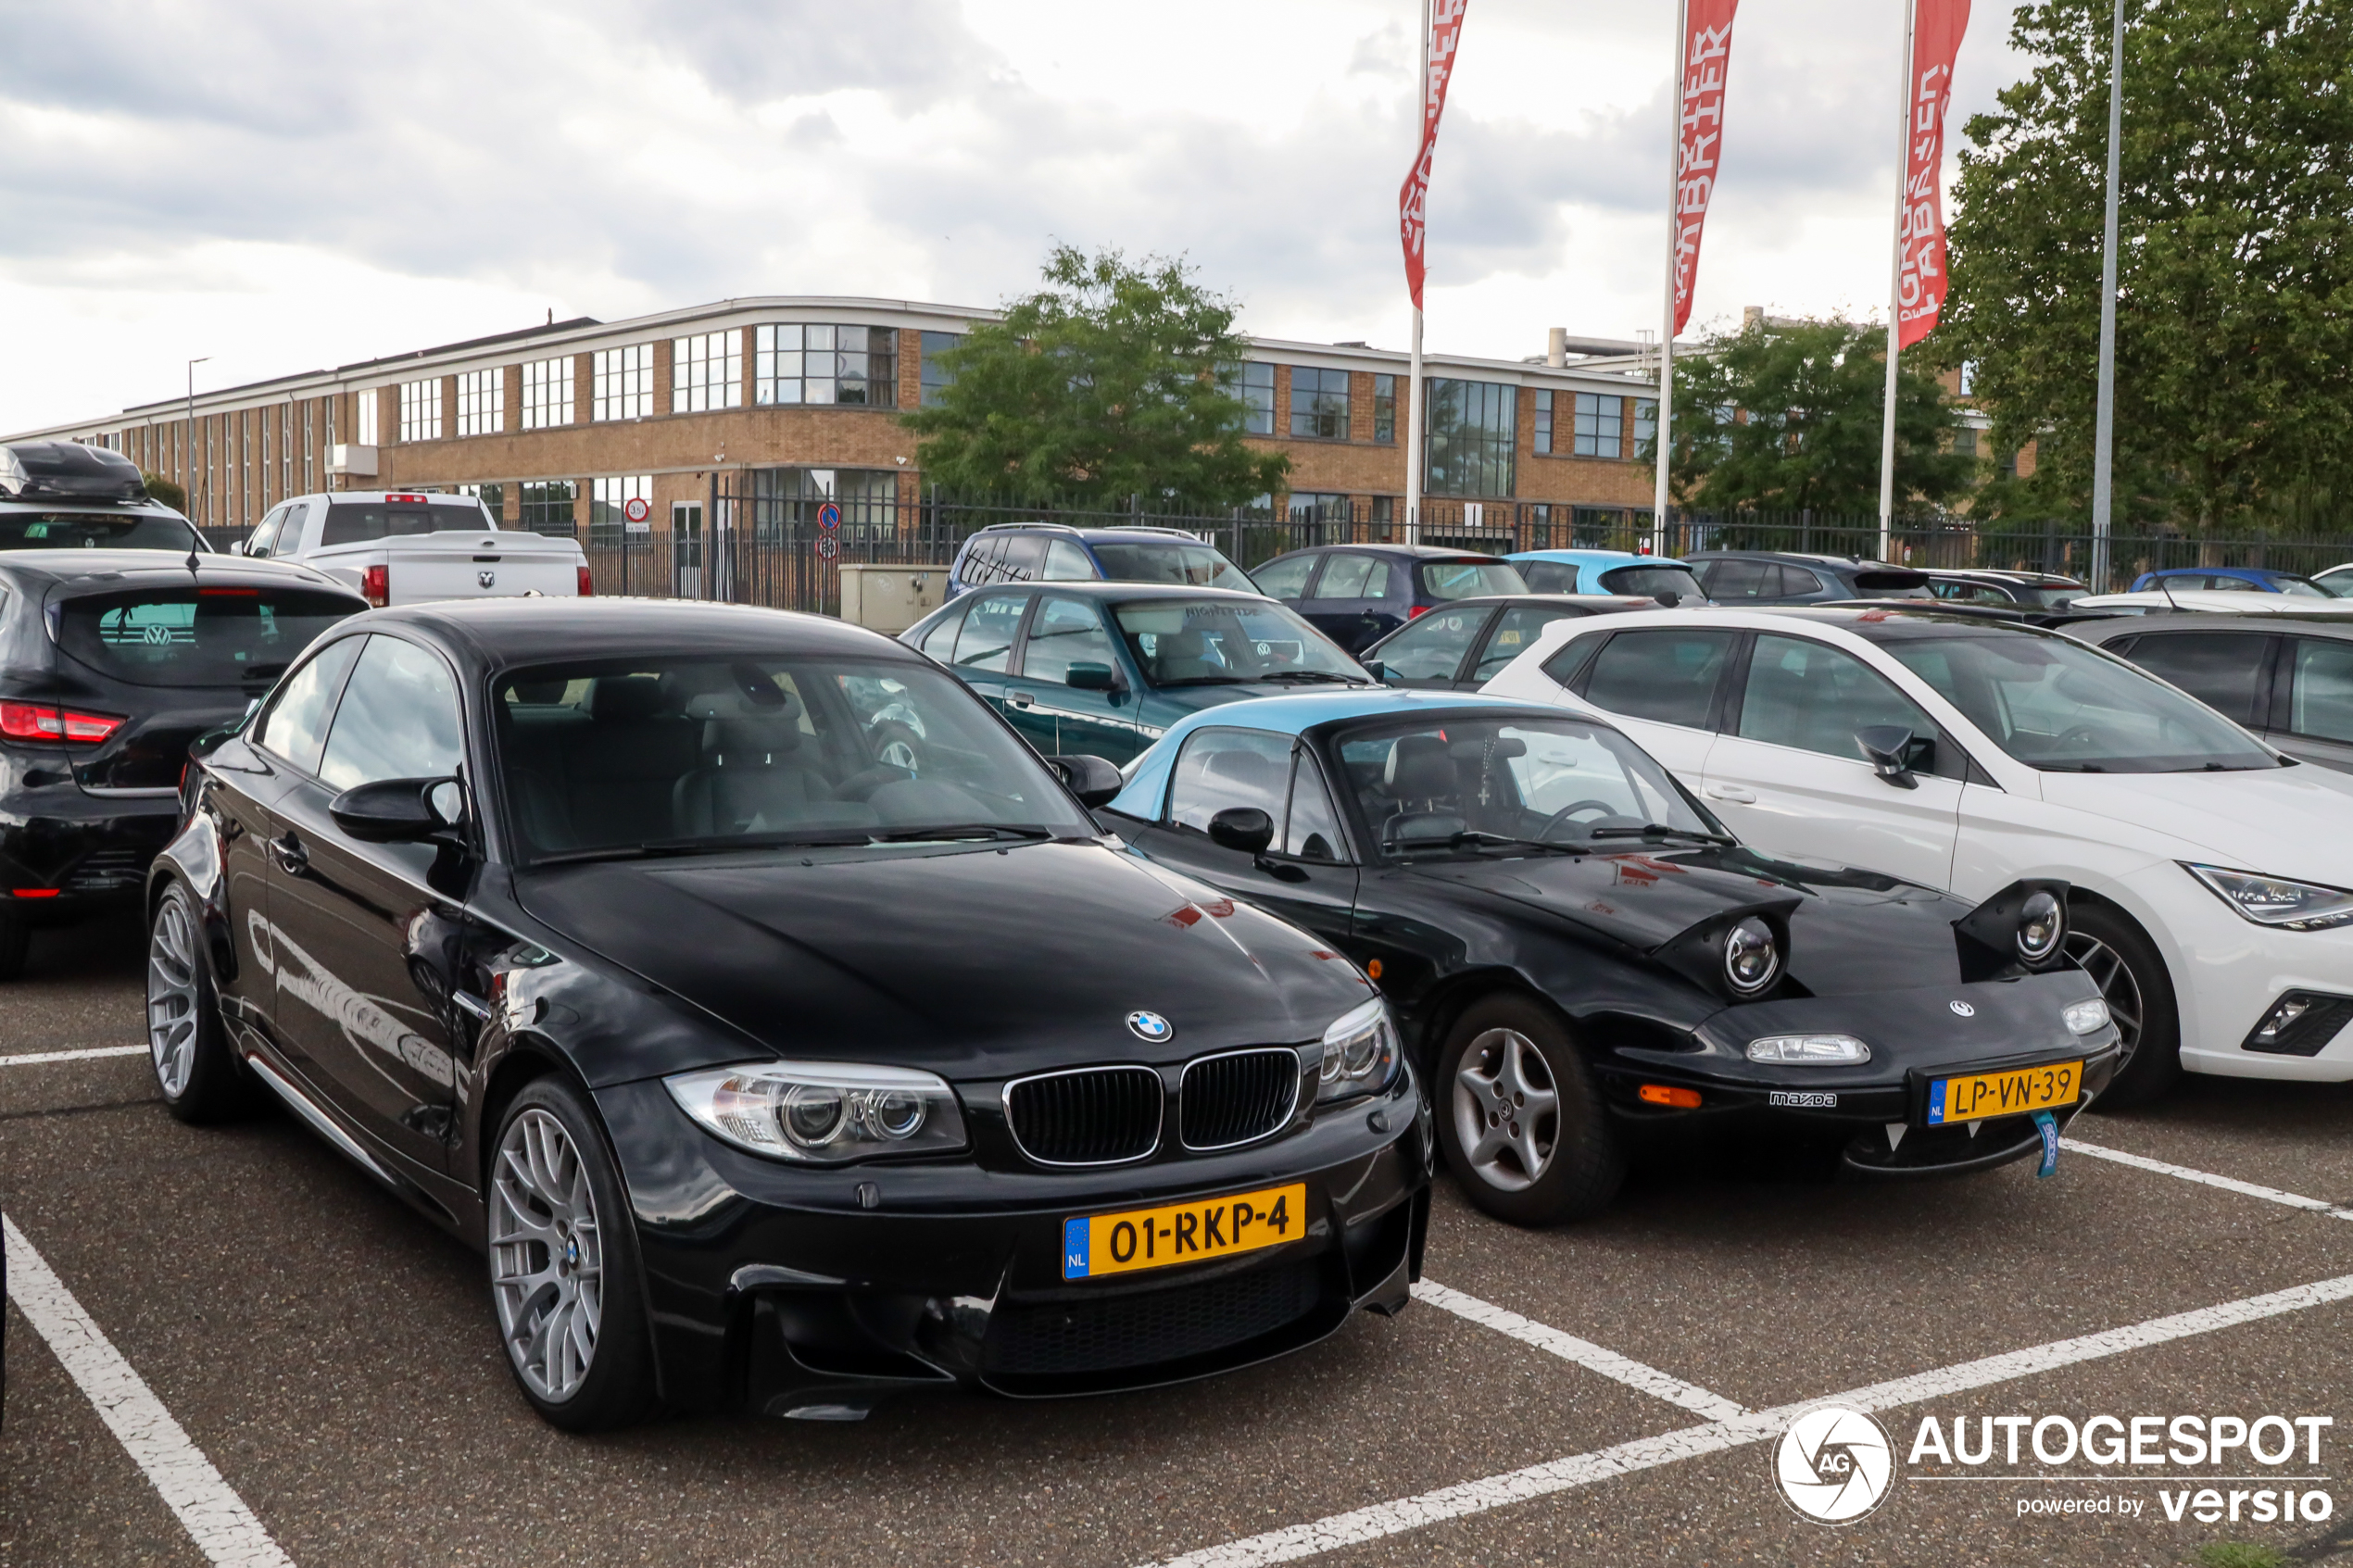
(1245, 829)
(1089, 678)
(1889, 747)
(399, 811)
(1092, 779)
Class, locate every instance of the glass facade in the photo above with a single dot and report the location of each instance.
(1319, 404)
(937, 376)
(546, 393)
(623, 385)
(1473, 438)
(856, 367)
(706, 372)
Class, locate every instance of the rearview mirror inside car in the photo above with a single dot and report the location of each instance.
(1092, 779)
(1089, 678)
(1889, 747)
(399, 811)
(1244, 828)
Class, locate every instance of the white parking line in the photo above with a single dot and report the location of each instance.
(2208, 1178)
(1646, 1453)
(29, 1059)
(1584, 1352)
(222, 1526)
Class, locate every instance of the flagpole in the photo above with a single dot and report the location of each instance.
(1666, 421)
(1895, 294)
(1413, 441)
(2104, 419)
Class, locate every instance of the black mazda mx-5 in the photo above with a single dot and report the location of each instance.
(768, 1075)
(1579, 955)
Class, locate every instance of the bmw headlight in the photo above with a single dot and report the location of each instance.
(2041, 926)
(1809, 1050)
(823, 1113)
(2085, 1017)
(1752, 957)
(1360, 1053)
(2275, 901)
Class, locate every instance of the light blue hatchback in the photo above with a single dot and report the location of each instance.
(1609, 572)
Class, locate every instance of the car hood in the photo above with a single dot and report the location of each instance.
(971, 963)
(2282, 821)
(1850, 932)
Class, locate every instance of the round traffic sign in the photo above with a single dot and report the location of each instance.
(829, 516)
(827, 548)
(637, 509)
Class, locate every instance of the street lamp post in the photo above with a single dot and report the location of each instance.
(189, 465)
(2104, 422)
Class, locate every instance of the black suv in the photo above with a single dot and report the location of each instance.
(61, 494)
(1781, 577)
(111, 661)
(1358, 594)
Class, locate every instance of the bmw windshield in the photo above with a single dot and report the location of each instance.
(1230, 642)
(2060, 706)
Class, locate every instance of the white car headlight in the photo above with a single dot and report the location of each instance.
(1360, 1053)
(823, 1113)
(1809, 1050)
(2275, 901)
(2084, 1018)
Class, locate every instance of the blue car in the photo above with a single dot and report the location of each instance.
(1055, 552)
(1608, 572)
(2232, 579)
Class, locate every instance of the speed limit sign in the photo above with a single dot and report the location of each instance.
(828, 547)
(637, 509)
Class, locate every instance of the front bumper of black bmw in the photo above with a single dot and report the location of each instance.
(815, 1293)
(1882, 1111)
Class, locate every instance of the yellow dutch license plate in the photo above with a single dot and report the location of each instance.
(1981, 1095)
(1096, 1245)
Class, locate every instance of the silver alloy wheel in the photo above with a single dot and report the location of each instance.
(547, 1256)
(172, 996)
(2117, 987)
(1507, 1110)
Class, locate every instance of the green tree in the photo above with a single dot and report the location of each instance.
(166, 490)
(2234, 318)
(1787, 416)
(1104, 384)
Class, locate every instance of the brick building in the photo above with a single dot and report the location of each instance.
(558, 426)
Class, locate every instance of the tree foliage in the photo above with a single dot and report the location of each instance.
(1104, 384)
(2234, 319)
(167, 491)
(1787, 416)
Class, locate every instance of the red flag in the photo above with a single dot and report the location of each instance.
(1919, 236)
(1707, 59)
(1445, 35)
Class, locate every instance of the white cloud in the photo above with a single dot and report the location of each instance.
(283, 185)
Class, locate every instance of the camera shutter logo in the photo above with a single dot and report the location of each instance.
(1836, 1465)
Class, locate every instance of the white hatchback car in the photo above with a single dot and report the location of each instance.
(2213, 876)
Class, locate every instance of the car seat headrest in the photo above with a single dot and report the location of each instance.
(1419, 769)
(626, 697)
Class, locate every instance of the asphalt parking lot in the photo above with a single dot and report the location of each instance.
(309, 1374)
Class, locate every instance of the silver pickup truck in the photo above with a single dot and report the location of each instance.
(400, 547)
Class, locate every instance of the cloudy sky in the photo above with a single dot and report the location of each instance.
(283, 185)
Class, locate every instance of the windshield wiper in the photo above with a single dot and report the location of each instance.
(1203, 681)
(1660, 830)
(1311, 675)
(950, 831)
(1468, 836)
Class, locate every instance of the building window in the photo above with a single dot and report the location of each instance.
(547, 505)
(482, 402)
(420, 410)
(1645, 425)
(607, 498)
(1544, 442)
(546, 393)
(1965, 443)
(623, 388)
(1473, 433)
(493, 496)
(1601, 424)
(856, 367)
(1254, 385)
(309, 446)
(1308, 506)
(785, 503)
(706, 372)
(1319, 404)
(938, 377)
(1385, 410)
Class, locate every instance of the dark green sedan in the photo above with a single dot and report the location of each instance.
(1104, 667)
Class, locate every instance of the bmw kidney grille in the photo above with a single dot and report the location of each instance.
(1094, 1116)
(1236, 1097)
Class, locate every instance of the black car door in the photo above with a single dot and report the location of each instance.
(1341, 601)
(1307, 875)
(371, 933)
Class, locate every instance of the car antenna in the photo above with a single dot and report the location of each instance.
(2163, 587)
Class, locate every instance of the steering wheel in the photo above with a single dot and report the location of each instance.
(1603, 807)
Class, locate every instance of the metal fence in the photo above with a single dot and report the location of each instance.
(751, 544)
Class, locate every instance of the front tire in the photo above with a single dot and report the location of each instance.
(563, 1265)
(1523, 1129)
(199, 1077)
(2124, 963)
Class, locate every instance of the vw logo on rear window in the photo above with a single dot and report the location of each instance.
(1150, 1026)
(1962, 1009)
